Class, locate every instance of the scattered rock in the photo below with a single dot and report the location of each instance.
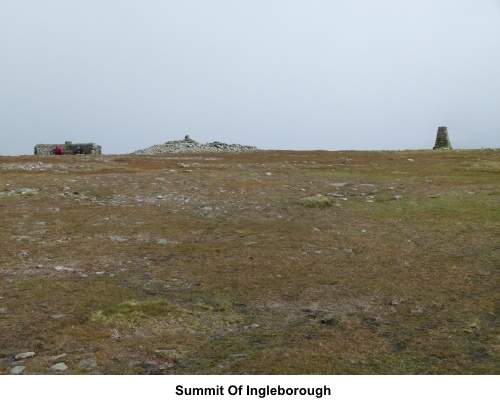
(417, 311)
(59, 356)
(58, 316)
(252, 326)
(348, 250)
(339, 184)
(28, 191)
(3, 310)
(393, 303)
(170, 354)
(397, 197)
(88, 363)
(117, 238)
(59, 367)
(18, 369)
(62, 268)
(25, 355)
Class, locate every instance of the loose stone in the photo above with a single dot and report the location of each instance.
(170, 354)
(24, 355)
(88, 363)
(18, 369)
(117, 238)
(59, 356)
(60, 367)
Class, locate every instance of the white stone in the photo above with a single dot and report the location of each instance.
(24, 355)
(60, 367)
(88, 363)
(18, 369)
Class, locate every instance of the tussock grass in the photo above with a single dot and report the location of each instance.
(317, 202)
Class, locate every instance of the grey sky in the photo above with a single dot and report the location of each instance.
(277, 74)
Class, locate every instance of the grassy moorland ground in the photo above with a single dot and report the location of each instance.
(261, 263)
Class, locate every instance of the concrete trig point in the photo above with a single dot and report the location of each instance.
(442, 139)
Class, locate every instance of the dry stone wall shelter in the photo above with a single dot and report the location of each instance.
(442, 139)
(69, 148)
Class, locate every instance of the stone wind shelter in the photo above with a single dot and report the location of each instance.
(69, 148)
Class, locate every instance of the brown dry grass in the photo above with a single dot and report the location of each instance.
(235, 271)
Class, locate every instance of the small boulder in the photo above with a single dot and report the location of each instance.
(24, 355)
(59, 367)
(18, 369)
(88, 363)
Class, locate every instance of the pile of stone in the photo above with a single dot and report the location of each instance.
(189, 145)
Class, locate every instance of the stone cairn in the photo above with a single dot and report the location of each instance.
(442, 139)
(190, 145)
(69, 148)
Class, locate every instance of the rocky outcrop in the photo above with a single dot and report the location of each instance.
(190, 145)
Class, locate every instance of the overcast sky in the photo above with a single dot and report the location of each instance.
(277, 74)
